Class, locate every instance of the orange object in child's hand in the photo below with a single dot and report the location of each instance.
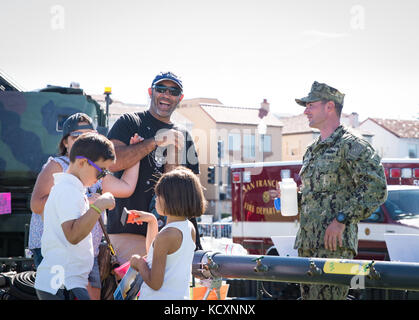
(131, 219)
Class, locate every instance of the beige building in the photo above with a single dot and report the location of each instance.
(118, 108)
(297, 135)
(209, 121)
(237, 130)
(394, 138)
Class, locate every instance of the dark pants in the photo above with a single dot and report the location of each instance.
(63, 294)
(37, 256)
(325, 292)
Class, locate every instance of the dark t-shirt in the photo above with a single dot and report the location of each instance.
(151, 167)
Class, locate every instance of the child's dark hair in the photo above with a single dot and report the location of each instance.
(182, 193)
(93, 146)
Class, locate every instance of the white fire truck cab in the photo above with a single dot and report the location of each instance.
(255, 219)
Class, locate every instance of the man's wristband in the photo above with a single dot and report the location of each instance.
(95, 208)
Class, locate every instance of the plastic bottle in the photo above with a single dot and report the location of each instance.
(289, 202)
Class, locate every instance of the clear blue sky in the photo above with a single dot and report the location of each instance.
(237, 51)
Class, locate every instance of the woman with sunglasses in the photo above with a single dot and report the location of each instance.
(73, 127)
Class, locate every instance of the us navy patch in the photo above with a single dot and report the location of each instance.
(355, 150)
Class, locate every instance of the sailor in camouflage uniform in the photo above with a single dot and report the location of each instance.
(343, 182)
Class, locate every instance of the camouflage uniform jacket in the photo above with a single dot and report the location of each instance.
(342, 173)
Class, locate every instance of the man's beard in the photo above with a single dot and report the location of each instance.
(165, 112)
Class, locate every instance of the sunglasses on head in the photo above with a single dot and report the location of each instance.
(76, 133)
(102, 172)
(173, 91)
(79, 133)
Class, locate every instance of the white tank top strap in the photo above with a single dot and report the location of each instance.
(63, 161)
(183, 226)
(178, 268)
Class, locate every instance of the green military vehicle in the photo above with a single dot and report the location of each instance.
(30, 130)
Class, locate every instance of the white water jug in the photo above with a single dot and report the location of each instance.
(289, 202)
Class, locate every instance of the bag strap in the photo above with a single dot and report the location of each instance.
(108, 240)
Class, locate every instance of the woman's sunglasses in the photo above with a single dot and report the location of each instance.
(79, 133)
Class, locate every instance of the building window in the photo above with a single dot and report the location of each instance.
(234, 143)
(412, 150)
(266, 142)
(249, 146)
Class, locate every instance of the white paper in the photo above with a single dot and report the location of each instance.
(285, 245)
(207, 218)
(403, 247)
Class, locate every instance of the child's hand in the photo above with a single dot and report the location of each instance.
(136, 139)
(142, 216)
(274, 194)
(135, 261)
(105, 201)
(93, 197)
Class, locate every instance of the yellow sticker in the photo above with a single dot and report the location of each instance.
(341, 267)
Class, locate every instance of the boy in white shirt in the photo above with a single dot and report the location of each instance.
(66, 242)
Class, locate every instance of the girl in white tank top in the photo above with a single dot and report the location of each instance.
(166, 270)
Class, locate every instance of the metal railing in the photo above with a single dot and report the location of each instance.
(215, 229)
(358, 273)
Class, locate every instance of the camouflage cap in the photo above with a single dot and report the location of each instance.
(321, 91)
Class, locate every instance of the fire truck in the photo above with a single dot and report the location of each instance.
(255, 219)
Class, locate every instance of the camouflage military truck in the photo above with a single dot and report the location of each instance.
(30, 130)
